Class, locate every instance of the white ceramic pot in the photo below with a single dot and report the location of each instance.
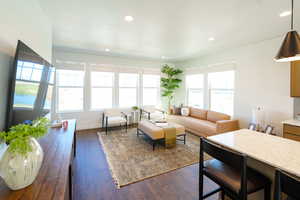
(19, 171)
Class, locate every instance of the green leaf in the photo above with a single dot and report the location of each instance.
(170, 82)
(18, 137)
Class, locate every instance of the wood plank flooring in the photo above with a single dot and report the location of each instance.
(93, 181)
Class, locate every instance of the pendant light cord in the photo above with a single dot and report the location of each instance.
(292, 16)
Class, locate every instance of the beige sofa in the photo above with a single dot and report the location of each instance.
(204, 122)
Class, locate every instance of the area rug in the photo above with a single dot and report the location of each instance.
(131, 158)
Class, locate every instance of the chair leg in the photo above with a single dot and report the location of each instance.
(267, 192)
(200, 186)
(106, 127)
(184, 137)
(222, 195)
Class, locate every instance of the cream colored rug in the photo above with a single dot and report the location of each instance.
(131, 158)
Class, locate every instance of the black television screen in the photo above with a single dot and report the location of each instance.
(31, 86)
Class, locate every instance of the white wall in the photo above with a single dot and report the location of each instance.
(92, 119)
(26, 21)
(260, 81)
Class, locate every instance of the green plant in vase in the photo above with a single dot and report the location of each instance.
(170, 82)
(18, 137)
(23, 157)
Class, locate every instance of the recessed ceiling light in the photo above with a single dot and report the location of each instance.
(211, 39)
(285, 13)
(128, 18)
(107, 50)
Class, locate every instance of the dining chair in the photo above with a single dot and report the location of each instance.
(252, 127)
(229, 170)
(285, 183)
(269, 129)
(113, 118)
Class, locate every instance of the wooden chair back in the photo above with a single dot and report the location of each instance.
(233, 159)
(252, 127)
(269, 129)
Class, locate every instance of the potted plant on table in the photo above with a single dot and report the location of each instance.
(23, 156)
(134, 108)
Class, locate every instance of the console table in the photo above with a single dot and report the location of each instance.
(54, 180)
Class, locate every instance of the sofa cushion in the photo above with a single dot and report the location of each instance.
(198, 113)
(156, 132)
(216, 116)
(202, 126)
(176, 110)
(185, 111)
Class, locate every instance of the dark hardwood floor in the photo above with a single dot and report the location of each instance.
(93, 181)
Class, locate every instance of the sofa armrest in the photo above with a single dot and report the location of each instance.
(227, 125)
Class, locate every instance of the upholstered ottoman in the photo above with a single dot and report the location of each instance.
(156, 133)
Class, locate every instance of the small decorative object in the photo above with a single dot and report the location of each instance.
(258, 118)
(176, 110)
(23, 157)
(169, 83)
(185, 111)
(135, 108)
(65, 124)
(252, 127)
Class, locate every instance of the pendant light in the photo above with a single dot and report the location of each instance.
(290, 48)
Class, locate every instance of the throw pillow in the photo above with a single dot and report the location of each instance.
(176, 110)
(185, 111)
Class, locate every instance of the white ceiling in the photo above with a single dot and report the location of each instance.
(176, 29)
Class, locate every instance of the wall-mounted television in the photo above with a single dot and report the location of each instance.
(30, 87)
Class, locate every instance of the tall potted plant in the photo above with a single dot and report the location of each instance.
(23, 157)
(170, 82)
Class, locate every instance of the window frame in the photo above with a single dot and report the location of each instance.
(113, 87)
(32, 70)
(158, 92)
(127, 87)
(206, 85)
(210, 89)
(188, 89)
(57, 87)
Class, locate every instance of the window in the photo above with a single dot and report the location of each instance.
(51, 75)
(151, 85)
(70, 90)
(195, 93)
(221, 91)
(102, 84)
(128, 83)
(29, 71)
(49, 94)
(28, 79)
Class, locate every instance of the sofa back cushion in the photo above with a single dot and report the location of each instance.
(176, 110)
(216, 116)
(198, 113)
(185, 111)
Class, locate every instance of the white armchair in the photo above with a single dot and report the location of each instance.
(113, 118)
(152, 113)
